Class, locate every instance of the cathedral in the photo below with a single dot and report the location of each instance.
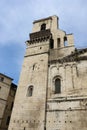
(52, 90)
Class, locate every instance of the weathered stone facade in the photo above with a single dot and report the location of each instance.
(52, 92)
(7, 95)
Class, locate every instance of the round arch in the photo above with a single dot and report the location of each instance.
(57, 84)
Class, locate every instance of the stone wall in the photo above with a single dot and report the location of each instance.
(29, 111)
(7, 94)
(67, 110)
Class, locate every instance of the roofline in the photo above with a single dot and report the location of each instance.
(6, 76)
(50, 17)
(36, 21)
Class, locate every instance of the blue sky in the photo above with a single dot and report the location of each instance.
(16, 17)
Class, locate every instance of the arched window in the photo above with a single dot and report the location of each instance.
(58, 42)
(30, 91)
(57, 85)
(43, 27)
(65, 41)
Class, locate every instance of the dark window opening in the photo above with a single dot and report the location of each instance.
(57, 86)
(8, 120)
(11, 105)
(33, 66)
(58, 42)
(44, 127)
(30, 91)
(43, 27)
(1, 79)
(51, 43)
(65, 41)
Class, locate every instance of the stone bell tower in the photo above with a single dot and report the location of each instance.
(30, 103)
(30, 107)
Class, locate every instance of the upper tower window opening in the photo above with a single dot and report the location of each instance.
(58, 42)
(43, 27)
(51, 43)
(65, 41)
(1, 79)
